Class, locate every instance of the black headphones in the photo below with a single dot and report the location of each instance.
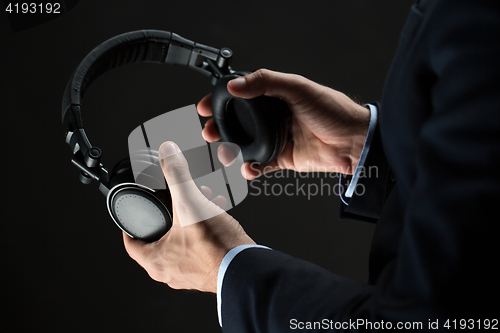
(258, 126)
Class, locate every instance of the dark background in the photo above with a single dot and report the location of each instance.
(64, 265)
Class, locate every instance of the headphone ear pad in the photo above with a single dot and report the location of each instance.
(139, 211)
(259, 126)
(121, 173)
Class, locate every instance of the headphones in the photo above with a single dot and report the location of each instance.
(258, 126)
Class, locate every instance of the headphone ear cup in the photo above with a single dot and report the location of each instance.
(259, 126)
(141, 167)
(121, 173)
(139, 210)
(147, 170)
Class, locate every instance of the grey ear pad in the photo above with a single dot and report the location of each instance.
(259, 125)
(140, 211)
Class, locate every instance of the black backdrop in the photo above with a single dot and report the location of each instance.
(64, 264)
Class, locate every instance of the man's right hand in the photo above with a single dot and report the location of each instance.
(329, 129)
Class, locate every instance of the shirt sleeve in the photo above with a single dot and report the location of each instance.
(223, 268)
(354, 180)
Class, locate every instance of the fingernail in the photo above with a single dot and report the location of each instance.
(244, 171)
(238, 83)
(167, 149)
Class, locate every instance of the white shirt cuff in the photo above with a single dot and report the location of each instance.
(222, 271)
(366, 147)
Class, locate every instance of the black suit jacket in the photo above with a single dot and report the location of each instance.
(435, 198)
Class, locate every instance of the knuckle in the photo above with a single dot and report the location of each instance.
(301, 80)
(261, 74)
(174, 285)
(155, 275)
(259, 80)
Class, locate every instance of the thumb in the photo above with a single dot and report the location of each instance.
(175, 169)
(265, 82)
(188, 202)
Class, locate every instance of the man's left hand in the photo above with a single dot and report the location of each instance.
(188, 256)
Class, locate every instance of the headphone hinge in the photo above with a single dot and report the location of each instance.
(211, 62)
(220, 67)
(95, 171)
(224, 59)
(214, 69)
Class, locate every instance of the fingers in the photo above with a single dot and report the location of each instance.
(207, 191)
(220, 201)
(227, 153)
(209, 132)
(204, 106)
(289, 87)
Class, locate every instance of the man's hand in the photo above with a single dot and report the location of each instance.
(328, 129)
(188, 256)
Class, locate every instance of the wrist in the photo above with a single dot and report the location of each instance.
(219, 252)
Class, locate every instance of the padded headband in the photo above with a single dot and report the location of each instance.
(155, 46)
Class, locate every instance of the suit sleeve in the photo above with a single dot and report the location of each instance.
(264, 290)
(445, 266)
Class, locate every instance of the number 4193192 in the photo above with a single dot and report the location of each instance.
(33, 8)
(486, 324)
